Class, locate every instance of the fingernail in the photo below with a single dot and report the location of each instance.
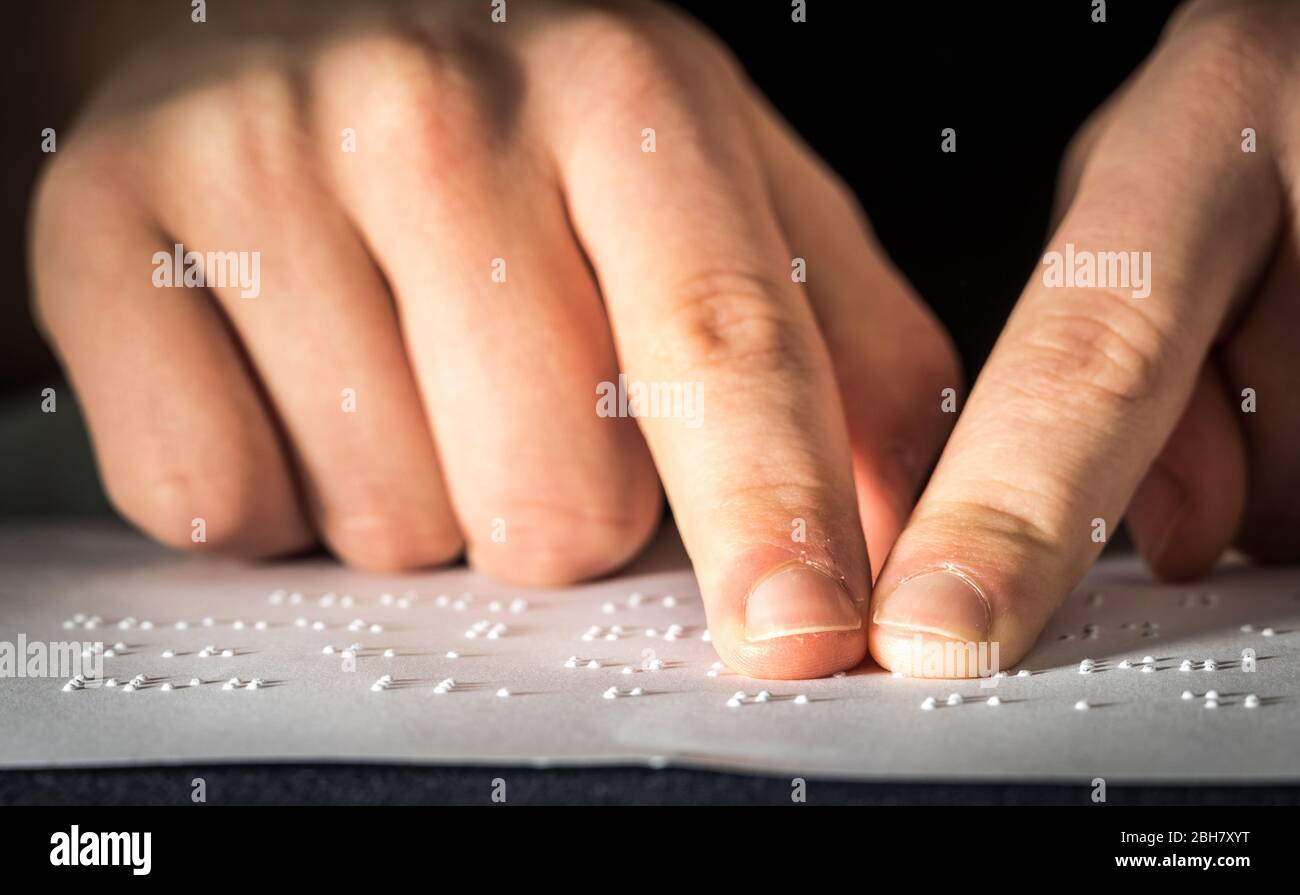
(798, 599)
(937, 603)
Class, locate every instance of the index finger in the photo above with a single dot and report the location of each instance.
(668, 200)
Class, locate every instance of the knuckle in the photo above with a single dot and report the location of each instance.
(383, 536)
(729, 323)
(167, 503)
(1109, 356)
(553, 543)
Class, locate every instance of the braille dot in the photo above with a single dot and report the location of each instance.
(1211, 704)
(1208, 665)
(801, 699)
(346, 602)
(670, 601)
(68, 625)
(276, 597)
(1125, 663)
(208, 621)
(712, 672)
(318, 626)
(611, 637)
(227, 653)
(993, 700)
(327, 599)
(1148, 668)
(237, 624)
(503, 693)
(327, 650)
(295, 598)
(168, 654)
(1268, 632)
(300, 622)
(403, 603)
(80, 617)
(1246, 629)
(571, 662)
(1185, 665)
(452, 654)
(165, 687)
(1148, 660)
(181, 626)
(733, 703)
(194, 682)
(109, 653)
(954, 699)
(1251, 701)
(1024, 672)
(607, 608)
(376, 629)
(628, 669)
(388, 653)
(260, 625)
(386, 599)
(1188, 694)
(518, 605)
(593, 664)
(763, 696)
(1211, 694)
(441, 601)
(634, 600)
(928, 704)
(128, 688)
(636, 691)
(1082, 705)
(349, 654)
(146, 625)
(471, 634)
(111, 682)
(616, 629)
(651, 632)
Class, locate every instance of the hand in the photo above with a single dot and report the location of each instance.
(418, 368)
(1178, 408)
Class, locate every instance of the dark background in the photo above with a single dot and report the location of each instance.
(870, 85)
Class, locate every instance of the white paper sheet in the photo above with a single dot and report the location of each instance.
(865, 725)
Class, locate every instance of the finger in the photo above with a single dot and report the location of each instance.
(323, 337)
(892, 359)
(1260, 362)
(1086, 384)
(1188, 508)
(694, 270)
(185, 447)
(503, 323)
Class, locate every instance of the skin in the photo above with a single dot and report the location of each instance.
(822, 400)
(476, 400)
(1098, 405)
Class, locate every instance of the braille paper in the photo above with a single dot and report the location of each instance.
(316, 704)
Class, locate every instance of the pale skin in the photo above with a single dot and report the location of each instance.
(822, 410)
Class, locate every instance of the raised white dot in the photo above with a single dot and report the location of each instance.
(670, 601)
(111, 682)
(165, 687)
(259, 625)
(1185, 665)
(993, 700)
(1268, 632)
(1211, 694)
(593, 664)
(327, 650)
(1209, 665)
(208, 621)
(168, 654)
(763, 696)
(634, 600)
(1082, 705)
(503, 693)
(1246, 629)
(386, 599)
(1124, 664)
(636, 691)
(389, 653)
(376, 629)
(227, 653)
(518, 605)
(611, 693)
(1148, 668)
(955, 699)
(1251, 701)
(628, 669)
(801, 699)
(1188, 694)
(1148, 660)
(452, 654)
(733, 703)
(1024, 672)
(194, 682)
(318, 625)
(927, 704)
(237, 624)
(1211, 704)
(607, 608)
(571, 662)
